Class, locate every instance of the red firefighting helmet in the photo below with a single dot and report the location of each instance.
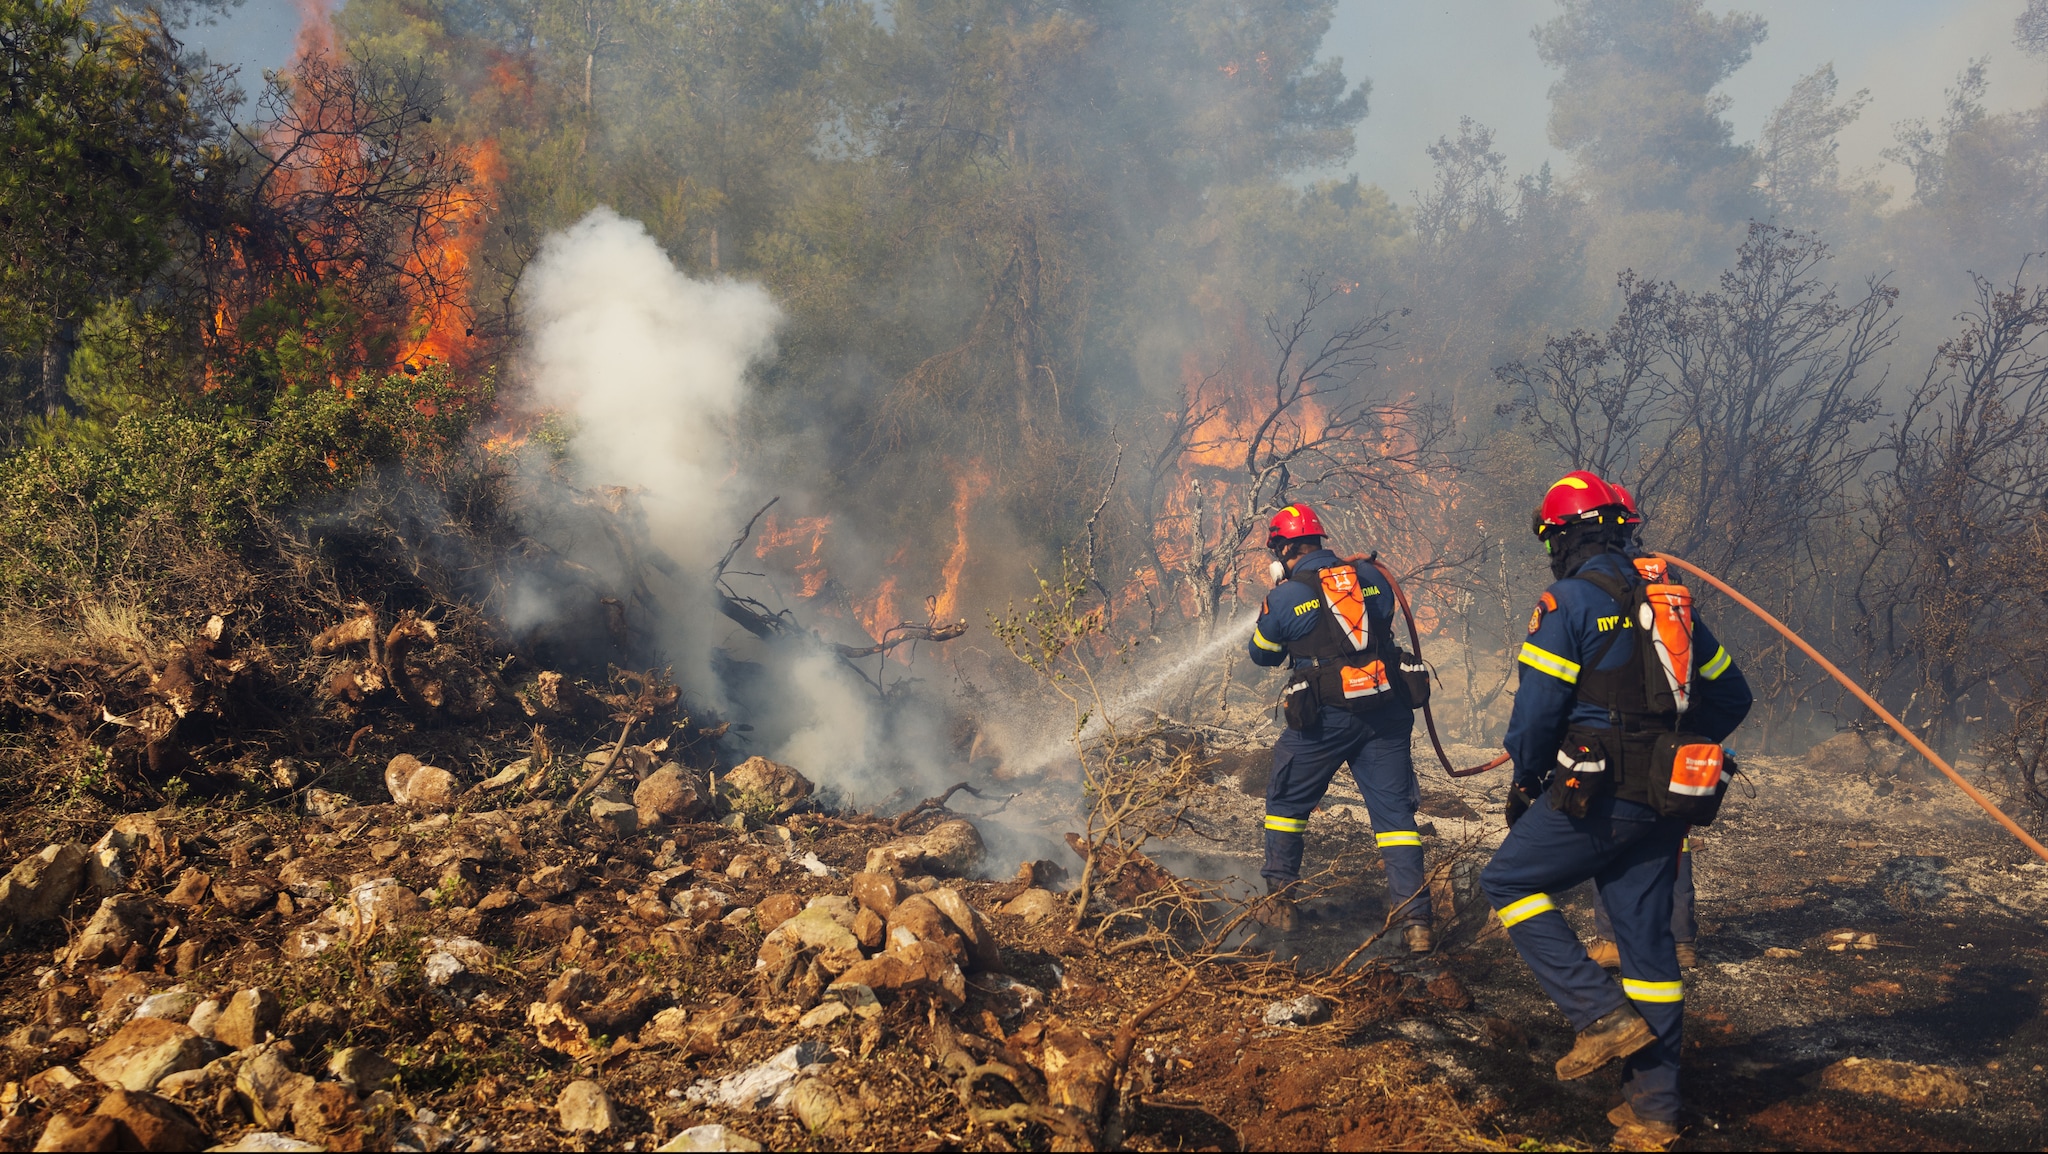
(1291, 522)
(1581, 496)
(1628, 502)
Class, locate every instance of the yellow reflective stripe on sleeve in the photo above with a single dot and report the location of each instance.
(1515, 913)
(1643, 991)
(1259, 639)
(1685, 845)
(1286, 824)
(1398, 837)
(1718, 665)
(1543, 660)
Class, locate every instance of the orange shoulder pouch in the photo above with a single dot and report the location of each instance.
(1689, 776)
(1665, 616)
(1346, 604)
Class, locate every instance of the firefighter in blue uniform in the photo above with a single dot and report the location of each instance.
(1344, 704)
(1684, 921)
(1598, 794)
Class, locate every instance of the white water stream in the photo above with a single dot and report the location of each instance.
(1168, 673)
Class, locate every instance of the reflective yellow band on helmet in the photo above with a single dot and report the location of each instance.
(1718, 665)
(1515, 913)
(1642, 991)
(1544, 661)
(1287, 824)
(1398, 837)
(1259, 639)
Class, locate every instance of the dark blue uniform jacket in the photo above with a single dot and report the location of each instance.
(1565, 632)
(1289, 612)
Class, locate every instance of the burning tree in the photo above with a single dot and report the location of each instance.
(1314, 431)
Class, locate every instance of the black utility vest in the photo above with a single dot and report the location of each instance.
(1329, 650)
(1624, 693)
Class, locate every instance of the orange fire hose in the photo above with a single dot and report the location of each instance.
(1415, 637)
(1898, 727)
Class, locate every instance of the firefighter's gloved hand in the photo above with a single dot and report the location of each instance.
(1519, 798)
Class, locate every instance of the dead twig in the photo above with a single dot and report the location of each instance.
(590, 783)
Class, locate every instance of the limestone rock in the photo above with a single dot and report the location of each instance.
(122, 921)
(330, 1115)
(1035, 906)
(776, 909)
(876, 891)
(152, 1123)
(191, 889)
(615, 818)
(758, 785)
(248, 1019)
(550, 883)
(177, 1004)
(432, 790)
(951, 848)
(362, 1069)
(269, 1085)
(667, 796)
(73, 1132)
(712, 1136)
(916, 919)
(583, 1108)
(397, 772)
(105, 870)
(39, 887)
(1855, 755)
(821, 1107)
(1926, 1087)
(974, 929)
(869, 928)
(143, 1052)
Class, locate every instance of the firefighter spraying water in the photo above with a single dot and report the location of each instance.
(1348, 701)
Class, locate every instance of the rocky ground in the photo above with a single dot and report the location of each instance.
(700, 966)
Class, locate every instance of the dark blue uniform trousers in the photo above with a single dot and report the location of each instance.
(1631, 854)
(1376, 746)
(1684, 920)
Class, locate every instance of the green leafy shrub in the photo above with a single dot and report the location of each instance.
(119, 499)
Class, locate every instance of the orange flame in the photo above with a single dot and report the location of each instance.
(803, 543)
(969, 486)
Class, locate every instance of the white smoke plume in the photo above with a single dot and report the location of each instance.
(652, 365)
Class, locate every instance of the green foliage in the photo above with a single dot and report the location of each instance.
(1636, 102)
(114, 503)
(93, 123)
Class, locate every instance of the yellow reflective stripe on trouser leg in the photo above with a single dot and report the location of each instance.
(1545, 661)
(1717, 665)
(1259, 639)
(1642, 991)
(1398, 837)
(1286, 824)
(1515, 913)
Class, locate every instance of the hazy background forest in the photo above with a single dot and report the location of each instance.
(1049, 279)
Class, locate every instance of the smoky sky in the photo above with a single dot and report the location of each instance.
(1432, 62)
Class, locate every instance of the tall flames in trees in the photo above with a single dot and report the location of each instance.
(362, 213)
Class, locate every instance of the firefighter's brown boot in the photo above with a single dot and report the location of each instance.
(1633, 1133)
(1617, 1035)
(1605, 954)
(1688, 956)
(1277, 912)
(1418, 938)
